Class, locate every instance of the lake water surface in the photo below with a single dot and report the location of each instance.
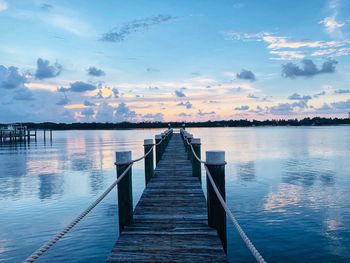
(289, 188)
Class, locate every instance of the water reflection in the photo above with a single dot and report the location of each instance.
(286, 195)
(306, 172)
(2, 245)
(246, 171)
(50, 185)
(290, 194)
(96, 180)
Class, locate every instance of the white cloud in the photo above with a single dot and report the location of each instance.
(3, 5)
(277, 42)
(287, 49)
(323, 52)
(60, 17)
(331, 24)
(68, 23)
(287, 55)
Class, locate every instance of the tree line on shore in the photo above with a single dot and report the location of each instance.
(316, 121)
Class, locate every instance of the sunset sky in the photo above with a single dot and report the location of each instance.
(112, 61)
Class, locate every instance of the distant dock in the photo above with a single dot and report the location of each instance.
(19, 133)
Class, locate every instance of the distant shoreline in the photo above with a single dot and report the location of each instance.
(317, 121)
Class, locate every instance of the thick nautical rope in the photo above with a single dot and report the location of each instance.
(243, 235)
(40, 251)
(240, 231)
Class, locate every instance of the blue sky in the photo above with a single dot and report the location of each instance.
(67, 61)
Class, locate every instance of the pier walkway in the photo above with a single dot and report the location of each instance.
(170, 222)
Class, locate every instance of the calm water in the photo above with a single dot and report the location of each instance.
(288, 187)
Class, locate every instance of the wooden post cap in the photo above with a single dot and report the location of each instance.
(196, 141)
(148, 142)
(123, 157)
(215, 157)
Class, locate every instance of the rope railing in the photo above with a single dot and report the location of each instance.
(142, 157)
(239, 229)
(150, 150)
(47, 245)
(243, 235)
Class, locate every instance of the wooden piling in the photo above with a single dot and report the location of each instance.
(125, 204)
(149, 160)
(158, 138)
(196, 165)
(215, 161)
(163, 144)
(185, 140)
(189, 151)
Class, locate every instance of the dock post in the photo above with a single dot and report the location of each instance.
(149, 161)
(185, 138)
(50, 135)
(215, 161)
(196, 165)
(158, 138)
(189, 151)
(163, 143)
(167, 138)
(44, 135)
(125, 205)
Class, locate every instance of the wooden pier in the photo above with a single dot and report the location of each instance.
(170, 222)
(18, 133)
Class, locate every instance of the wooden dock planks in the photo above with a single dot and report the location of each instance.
(170, 220)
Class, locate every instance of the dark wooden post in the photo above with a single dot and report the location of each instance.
(44, 135)
(168, 135)
(189, 150)
(149, 161)
(163, 143)
(216, 214)
(125, 205)
(158, 138)
(196, 165)
(50, 135)
(185, 138)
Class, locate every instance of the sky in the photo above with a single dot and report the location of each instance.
(166, 60)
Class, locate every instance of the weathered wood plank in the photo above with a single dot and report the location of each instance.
(170, 220)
